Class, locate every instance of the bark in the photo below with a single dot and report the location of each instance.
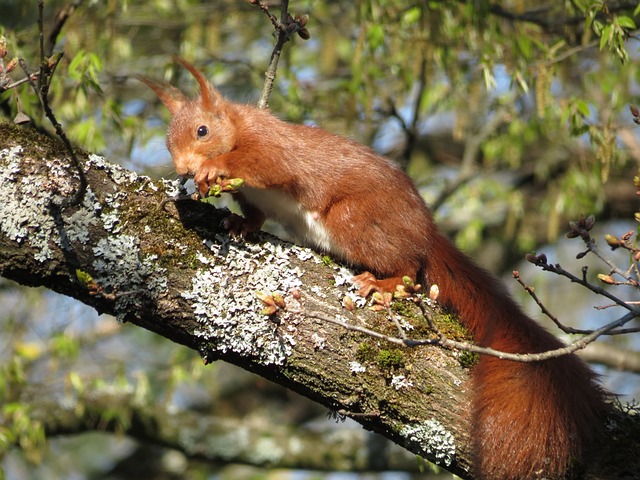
(173, 271)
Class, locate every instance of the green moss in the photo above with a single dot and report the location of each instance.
(390, 359)
(365, 353)
(327, 260)
(449, 325)
(406, 309)
(468, 359)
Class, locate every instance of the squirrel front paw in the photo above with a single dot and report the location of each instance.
(206, 177)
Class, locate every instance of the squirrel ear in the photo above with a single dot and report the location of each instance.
(211, 98)
(172, 98)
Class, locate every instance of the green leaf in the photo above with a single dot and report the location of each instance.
(605, 38)
(583, 108)
(375, 35)
(524, 45)
(411, 16)
(626, 22)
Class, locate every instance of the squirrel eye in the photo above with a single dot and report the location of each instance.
(202, 131)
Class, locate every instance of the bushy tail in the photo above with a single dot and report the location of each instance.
(529, 420)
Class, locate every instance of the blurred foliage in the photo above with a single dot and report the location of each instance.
(543, 88)
(521, 105)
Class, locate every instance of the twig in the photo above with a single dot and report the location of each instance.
(284, 29)
(541, 262)
(593, 248)
(61, 18)
(544, 308)
(560, 325)
(282, 37)
(449, 344)
(47, 69)
(30, 78)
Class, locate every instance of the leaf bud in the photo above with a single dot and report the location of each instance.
(302, 20)
(589, 222)
(266, 298)
(348, 303)
(612, 241)
(434, 292)
(279, 301)
(608, 279)
(269, 310)
(11, 65)
(304, 34)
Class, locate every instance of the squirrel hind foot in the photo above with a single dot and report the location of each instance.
(368, 283)
(239, 226)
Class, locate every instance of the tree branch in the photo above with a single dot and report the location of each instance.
(177, 274)
(228, 439)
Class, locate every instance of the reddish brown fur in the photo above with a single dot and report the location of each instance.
(529, 420)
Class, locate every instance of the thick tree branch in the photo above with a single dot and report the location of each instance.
(226, 439)
(175, 273)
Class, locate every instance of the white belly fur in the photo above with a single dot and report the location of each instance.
(303, 225)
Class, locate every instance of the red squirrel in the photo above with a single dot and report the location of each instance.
(529, 420)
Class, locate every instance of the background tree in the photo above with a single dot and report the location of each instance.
(512, 117)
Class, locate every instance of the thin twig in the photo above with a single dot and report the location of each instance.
(61, 18)
(544, 308)
(557, 269)
(469, 347)
(47, 69)
(283, 36)
(31, 78)
(593, 247)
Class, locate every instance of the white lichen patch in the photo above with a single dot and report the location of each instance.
(225, 304)
(357, 367)
(26, 207)
(118, 174)
(400, 381)
(78, 224)
(27, 217)
(318, 341)
(121, 269)
(358, 300)
(172, 187)
(434, 439)
(343, 276)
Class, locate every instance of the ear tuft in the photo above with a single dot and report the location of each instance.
(210, 96)
(171, 97)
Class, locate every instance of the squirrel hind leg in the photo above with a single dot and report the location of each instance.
(368, 283)
(239, 226)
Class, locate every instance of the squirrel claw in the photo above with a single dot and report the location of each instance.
(368, 283)
(238, 226)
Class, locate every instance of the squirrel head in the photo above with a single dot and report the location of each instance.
(200, 128)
